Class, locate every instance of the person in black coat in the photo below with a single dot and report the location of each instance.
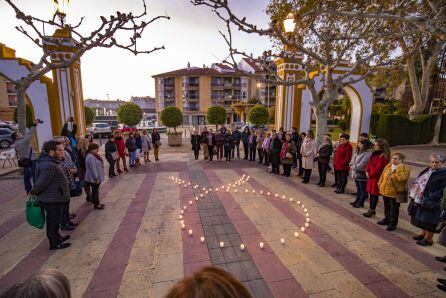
(229, 143)
(274, 152)
(236, 137)
(110, 147)
(195, 140)
(210, 140)
(156, 141)
(252, 143)
(323, 159)
(295, 139)
(245, 137)
(52, 190)
(69, 130)
(426, 199)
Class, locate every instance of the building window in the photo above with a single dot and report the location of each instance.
(186, 120)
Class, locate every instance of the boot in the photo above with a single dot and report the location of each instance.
(370, 213)
(383, 222)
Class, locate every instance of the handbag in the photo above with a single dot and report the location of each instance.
(412, 208)
(34, 213)
(401, 196)
(157, 143)
(115, 155)
(25, 162)
(77, 191)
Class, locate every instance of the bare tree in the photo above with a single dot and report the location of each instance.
(104, 36)
(321, 43)
(412, 21)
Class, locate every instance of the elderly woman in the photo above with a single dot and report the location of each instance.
(286, 155)
(95, 173)
(426, 194)
(392, 186)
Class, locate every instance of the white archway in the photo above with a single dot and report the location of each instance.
(361, 98)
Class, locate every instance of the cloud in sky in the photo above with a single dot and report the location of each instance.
(190, 36)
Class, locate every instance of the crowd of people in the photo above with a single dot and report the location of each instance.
(376, 171)
(69, 165)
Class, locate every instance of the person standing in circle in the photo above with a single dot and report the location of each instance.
(393, 183)
(378, 160)
(95, 173)
(156, 141)
(308, 152)
(120, 144)
(110, 149)
(195, 141)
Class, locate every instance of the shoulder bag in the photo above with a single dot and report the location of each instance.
(25, 162)
(401, 196)
(34, 213)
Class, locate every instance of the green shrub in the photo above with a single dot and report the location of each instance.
(374, 122)
(89, 115)
(258, 115)
(216, 115)
(398, 130)
(172, 117)
(272, 115)
(130, 114)
(342, 124)
(443, 130)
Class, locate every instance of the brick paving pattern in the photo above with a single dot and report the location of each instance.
(136, 247)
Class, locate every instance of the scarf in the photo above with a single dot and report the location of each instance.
(97, 157)
(416, 191)
(284, 149)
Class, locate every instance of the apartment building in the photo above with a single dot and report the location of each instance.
(193, 90)
(8, 99)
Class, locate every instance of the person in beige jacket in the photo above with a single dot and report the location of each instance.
(393, 187)
(308, 152)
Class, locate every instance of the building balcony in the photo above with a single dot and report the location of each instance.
(191, 99)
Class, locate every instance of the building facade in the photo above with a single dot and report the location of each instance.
(8, 99)
(109, 107)
(194, 90)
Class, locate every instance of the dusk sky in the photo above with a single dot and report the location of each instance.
(191, 35)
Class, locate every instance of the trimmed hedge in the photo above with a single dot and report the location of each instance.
(443, 130)
(399, 130)
(374, 123)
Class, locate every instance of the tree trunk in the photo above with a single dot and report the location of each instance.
(418, 106)
(420, 91)
(320, 113)
(437, 130)
(21, 109)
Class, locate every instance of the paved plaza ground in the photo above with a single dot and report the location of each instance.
(137, 248)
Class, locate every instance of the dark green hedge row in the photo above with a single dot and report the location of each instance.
(443, 130)
(399, 130)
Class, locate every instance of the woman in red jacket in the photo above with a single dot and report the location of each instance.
(342, 162)
(119, 142)
(379, 159)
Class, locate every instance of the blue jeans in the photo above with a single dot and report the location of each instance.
(132, 158)
(361, 192)
(28, 173)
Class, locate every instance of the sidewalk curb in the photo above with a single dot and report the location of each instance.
(442, 145)
(9, 172)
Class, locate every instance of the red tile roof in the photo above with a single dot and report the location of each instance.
(254, 65)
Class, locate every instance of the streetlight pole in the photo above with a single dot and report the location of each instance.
(267, 91)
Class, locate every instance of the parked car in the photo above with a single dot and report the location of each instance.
(13, 126)
(99, 129)
(8, 126)
(5, 138)
(256, 127)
